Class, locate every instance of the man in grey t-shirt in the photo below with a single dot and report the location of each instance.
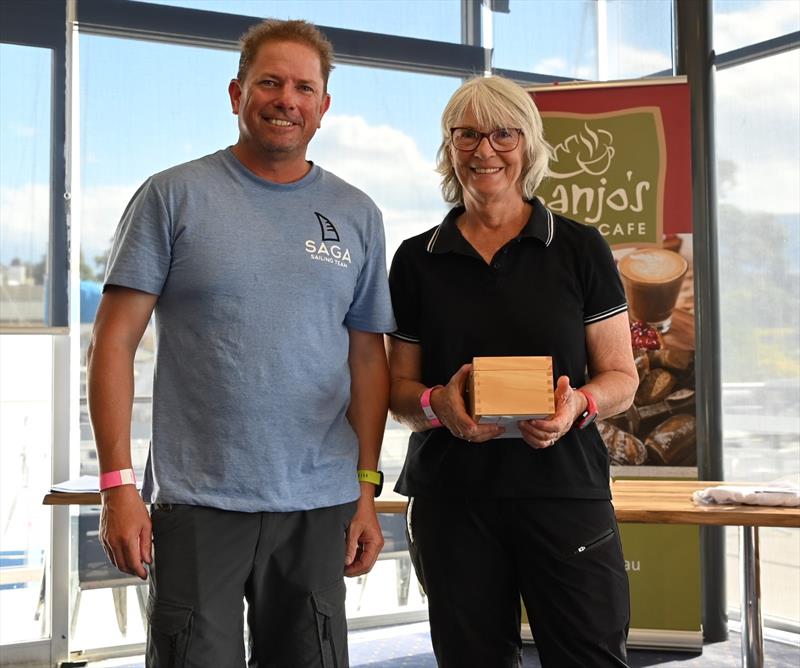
(267, 278)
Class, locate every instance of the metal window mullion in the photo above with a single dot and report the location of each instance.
(527, 78)
(602, 40)
(125, 18)
(31, 22)
(41, 25)
(57, 287)
(471, 22)
(765, 49)
(695, 59)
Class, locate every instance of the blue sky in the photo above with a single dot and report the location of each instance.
(24, 114)
(199, 79)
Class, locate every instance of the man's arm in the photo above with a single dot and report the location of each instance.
(122, 316)
(369, 404)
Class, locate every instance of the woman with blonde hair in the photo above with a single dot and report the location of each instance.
(498, 514)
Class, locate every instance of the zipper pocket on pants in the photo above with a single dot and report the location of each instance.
(597, 541)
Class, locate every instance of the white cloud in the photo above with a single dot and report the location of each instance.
(24, 222)
(757, 129)
(734, 28)
(627, 62)
(381, 160)
(386, 164)
(758, 108)
(26, 131)
(25, 228)
(557, 65)
(100, 211)
(405, 223)
(765, 185)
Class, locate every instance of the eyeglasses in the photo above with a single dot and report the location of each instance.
(501, 139)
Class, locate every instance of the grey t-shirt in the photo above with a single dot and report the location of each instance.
(258, 284)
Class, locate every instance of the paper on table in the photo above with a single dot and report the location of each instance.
(86, 483)
(763, 495)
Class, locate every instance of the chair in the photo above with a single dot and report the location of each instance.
(95, 571)
(395, 546)
(23, 568)
(18, 568)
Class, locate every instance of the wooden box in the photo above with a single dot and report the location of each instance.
(505, 390)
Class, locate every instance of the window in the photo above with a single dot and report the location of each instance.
(548, 37)
(26, 382)
(638, 39)
(758, 207)
(25, 83)
(26, 422)
(608, 40)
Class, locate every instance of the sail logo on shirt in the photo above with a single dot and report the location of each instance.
(329, 248)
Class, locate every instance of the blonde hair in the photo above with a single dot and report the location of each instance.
(275, 30)
(496, 102)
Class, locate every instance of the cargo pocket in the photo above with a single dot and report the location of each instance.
(331, 625)
(169, 635)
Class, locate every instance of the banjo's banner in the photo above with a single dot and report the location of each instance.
(622, 158)
(622, 163)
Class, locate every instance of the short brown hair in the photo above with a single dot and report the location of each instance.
(275, 30)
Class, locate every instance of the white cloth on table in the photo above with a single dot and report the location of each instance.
(769, 494)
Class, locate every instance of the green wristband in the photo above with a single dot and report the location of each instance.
(373, 477)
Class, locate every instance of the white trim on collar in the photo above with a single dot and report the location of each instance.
(551, 229)
(433, 239)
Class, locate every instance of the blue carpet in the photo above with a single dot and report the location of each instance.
(409, 646)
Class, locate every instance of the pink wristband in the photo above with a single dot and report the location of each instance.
(425, 404)
(117, 478)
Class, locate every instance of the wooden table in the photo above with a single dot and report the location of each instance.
(390, 502)
(648, 502)
(670, 502)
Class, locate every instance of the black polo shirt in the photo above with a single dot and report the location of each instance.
(535, 298)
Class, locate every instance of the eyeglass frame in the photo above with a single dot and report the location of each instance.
(488, 136)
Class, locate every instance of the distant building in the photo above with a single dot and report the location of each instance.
(14, 275)
(21, 304)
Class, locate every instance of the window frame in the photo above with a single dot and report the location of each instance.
(41, 25)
